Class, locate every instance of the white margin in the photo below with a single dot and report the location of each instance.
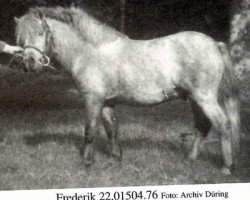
(234, 191)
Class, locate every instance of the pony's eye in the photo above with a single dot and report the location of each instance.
(40, 33)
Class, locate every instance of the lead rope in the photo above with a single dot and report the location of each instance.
(15, 56)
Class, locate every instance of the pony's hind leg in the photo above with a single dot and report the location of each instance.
(110, 124)
(93, 105)
(221, 124)
(202, 125)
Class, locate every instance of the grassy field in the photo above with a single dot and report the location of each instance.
(42, 129)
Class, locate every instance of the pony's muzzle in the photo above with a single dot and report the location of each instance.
(29, 62)
(32, 60)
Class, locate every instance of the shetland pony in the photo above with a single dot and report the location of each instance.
(109, 68)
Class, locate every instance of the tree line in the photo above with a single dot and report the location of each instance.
(139, 19)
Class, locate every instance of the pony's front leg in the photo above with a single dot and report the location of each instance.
(93, 106)
(111, 126)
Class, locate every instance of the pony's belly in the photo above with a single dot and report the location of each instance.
(155, 97)
(144, 97)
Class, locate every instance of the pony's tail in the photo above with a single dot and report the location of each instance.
(229, 98)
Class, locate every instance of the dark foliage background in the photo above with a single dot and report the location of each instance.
(144, 18)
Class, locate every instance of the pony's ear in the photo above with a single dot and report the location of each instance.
(40, 13)
(72, 5)
(16, 20)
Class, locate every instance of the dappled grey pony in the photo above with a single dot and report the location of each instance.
(110, 68)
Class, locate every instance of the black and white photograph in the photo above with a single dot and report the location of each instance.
(118, 93)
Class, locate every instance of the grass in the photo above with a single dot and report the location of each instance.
(42, 129)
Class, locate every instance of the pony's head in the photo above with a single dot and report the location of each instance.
(34, 34)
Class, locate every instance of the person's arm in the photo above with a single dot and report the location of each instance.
(6, 48)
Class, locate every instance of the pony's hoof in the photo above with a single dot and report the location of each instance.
(88, 163)
(226, 171)
(117, 153)
(117, 157)
(192, 156)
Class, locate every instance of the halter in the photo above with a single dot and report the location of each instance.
(49, 43)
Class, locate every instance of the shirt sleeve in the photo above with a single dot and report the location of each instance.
(2, 45)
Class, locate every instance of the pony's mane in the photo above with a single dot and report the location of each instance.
(88, 26)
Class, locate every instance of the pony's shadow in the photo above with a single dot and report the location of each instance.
(78, 141)
(102, 145)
